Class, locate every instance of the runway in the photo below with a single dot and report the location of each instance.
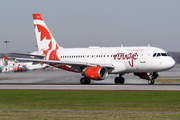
(92, 87)
(63, 80)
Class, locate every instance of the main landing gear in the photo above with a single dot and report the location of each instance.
(85, 80)
(119, 80)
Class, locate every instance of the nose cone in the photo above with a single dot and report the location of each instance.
(170, 63)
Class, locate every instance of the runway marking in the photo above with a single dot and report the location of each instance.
(150, 112)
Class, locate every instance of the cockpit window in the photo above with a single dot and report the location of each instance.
(154, 55)
(163, 54)
(160, 54)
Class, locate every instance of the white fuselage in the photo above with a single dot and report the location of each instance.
(124, 59)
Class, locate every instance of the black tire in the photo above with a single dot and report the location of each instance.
(117, 80)
(82, 80)
(151, 81)
(122, 80)
(87, 81)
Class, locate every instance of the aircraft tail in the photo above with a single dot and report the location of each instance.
(45, 40)
(5, 62)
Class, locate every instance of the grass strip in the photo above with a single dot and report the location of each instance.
(90, 100)
(84, 116)
(52, 101)
(168, 81)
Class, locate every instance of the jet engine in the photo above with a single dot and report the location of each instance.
(95, 73)
(18, 69)
(5, 69)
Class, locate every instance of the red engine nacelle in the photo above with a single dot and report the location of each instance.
(143, 75)
(95, 73)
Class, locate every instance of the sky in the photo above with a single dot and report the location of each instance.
(83, 23)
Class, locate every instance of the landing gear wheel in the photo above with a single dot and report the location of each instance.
(87, 81)
(84, 80)
(116, 80)
(119, 80)
(122, 80)
(151, 81)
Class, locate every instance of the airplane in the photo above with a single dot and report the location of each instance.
(96, 63)
(3, 64)
(24, 68)
(15, 66)
(36, 66)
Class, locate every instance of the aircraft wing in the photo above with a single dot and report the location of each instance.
(72, 63)
(40, 56)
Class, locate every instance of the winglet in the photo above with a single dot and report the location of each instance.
(5, 58)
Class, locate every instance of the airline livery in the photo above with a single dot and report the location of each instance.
(95, 63)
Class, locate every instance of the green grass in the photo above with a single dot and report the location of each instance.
(84, 116)
(168, 81)
(88, 100)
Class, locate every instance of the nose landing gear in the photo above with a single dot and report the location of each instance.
(153, 76)
(151, 81)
